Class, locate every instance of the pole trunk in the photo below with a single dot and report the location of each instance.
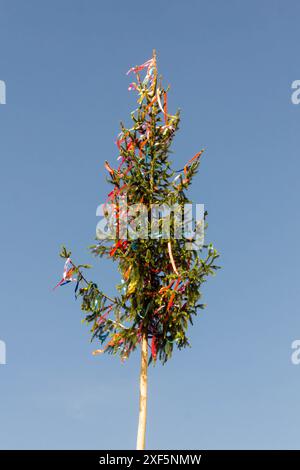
(141, 435)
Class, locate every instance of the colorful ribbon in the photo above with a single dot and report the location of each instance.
(69, 269)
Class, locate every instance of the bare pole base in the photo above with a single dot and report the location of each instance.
(141, 435)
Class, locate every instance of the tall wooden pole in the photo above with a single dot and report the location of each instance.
(141, 435)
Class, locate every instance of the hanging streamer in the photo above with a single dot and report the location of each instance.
(150, 65)
(154, 347)
(69, 270)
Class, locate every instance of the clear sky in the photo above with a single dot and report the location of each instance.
(230, 65)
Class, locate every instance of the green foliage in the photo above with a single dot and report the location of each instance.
(64, 253)
(161, 278)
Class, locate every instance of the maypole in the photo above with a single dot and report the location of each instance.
(161, 272)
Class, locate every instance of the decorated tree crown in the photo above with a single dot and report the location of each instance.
(161, 275)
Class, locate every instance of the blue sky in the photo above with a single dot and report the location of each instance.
(231, 65)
